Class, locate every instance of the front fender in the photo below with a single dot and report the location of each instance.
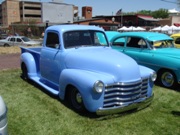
(84, 81)
(30, 63)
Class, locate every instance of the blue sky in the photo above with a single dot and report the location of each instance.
(109, 7)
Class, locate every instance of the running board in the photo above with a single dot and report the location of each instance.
(54, 89)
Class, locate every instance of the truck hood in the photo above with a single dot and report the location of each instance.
(169, 52)
(104, 60)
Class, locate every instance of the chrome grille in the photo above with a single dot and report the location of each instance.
(121, 94)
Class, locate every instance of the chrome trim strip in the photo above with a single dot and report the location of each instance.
(122, 89)
(139, 104)
(119, 93)
(125, 83)
(4, 115)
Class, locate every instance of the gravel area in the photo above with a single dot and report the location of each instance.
(9, 61)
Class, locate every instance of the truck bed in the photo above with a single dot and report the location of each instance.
(36, 50)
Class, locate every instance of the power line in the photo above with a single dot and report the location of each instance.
(170, 1)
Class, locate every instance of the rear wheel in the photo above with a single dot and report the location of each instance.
(167, 78)
(75, 99)
(6, 45)
(24, 72)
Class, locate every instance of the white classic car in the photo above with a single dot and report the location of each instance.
(18, 40)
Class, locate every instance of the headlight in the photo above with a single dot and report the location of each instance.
(153, 76)
(98, 86)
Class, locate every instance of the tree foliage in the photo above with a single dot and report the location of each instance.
(161, 13)
(145, 12)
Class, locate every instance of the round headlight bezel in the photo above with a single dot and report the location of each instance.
(153, 76)
(98, 86)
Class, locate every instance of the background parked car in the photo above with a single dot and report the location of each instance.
(18, 40)
(176, 38)
(153, 50)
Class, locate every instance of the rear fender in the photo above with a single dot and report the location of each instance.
(30, 63)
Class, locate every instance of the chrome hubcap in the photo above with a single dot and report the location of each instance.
(167, 79)
(79, 98)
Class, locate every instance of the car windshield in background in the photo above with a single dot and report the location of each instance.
(163, 44)
(25, 39)
(84, 38)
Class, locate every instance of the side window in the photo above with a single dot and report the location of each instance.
(52, 40)
(135, 42)
(177, 41)
(99, 38)
(142, 43)
(18, 40)
(12, 39)
(119, 41)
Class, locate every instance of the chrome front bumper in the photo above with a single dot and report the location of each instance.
(140, 104)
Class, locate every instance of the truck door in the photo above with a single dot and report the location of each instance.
(50, 58)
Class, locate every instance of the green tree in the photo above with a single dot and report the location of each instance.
(145, 12)
(161, 13)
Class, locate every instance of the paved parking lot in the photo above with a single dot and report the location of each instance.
(9, 61)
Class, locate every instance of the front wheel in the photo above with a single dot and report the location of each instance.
(75, 99)
(167, 79)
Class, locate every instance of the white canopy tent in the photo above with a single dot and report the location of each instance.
(169, 29)
(124, 28)
(131, 28)
(160, 29)
(140, 28)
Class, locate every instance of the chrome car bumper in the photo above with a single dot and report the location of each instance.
(3, 117)
(140, 104)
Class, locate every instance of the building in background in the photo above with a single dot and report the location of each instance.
(30, 11)
(174, 18)
(57, 13)
(9, 12)
(42, 14)
(87, 12)
(15, 11)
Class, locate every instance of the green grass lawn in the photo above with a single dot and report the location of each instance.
(31, 111)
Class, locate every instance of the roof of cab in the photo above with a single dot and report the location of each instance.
(151, 36)
(73, 27)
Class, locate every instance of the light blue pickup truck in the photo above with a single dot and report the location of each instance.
(77, 64)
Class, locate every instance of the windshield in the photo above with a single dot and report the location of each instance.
(84, 38)
(25, 39)
(162, 44)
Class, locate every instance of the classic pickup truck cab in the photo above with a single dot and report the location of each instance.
(76, 63)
